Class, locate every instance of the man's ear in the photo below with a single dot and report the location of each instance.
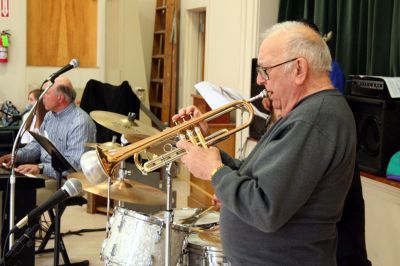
(301, 70)
(60, 97)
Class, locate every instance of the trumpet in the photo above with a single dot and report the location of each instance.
(185, 129)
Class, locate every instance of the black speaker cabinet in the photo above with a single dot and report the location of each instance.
(259, 125)
(378, 129)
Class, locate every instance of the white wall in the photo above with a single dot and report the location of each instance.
(125, 36)
(16, 78)
(12, 74)
(129, 42)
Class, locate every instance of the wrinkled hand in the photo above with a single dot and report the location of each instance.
(199, 161)
(195, 112)
(216, 202)
(28, 169)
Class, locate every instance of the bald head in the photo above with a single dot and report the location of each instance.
(63, 85)
(60, 95)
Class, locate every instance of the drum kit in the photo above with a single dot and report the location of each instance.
(135, 238)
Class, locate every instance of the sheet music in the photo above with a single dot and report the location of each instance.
(216, 96)
(393, 85)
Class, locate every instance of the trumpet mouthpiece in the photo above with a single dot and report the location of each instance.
(262, 94)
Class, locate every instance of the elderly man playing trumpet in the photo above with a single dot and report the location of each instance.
(280, 205)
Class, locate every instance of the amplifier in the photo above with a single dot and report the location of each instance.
(372, 86)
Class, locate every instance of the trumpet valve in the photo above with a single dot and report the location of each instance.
(200, 137)
(191, 136)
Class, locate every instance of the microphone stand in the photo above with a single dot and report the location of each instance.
(60, 164)
(27, 237)
(168, 215)
(13, 159)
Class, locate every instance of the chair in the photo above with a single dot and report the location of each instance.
(112, 98)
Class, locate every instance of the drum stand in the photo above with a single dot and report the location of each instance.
(121, 175)
(168, 215)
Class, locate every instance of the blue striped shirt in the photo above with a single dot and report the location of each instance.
(69, 130)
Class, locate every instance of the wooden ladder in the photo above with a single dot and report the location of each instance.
(163, 76)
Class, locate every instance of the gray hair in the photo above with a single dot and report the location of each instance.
(68, 92)
(303, 41)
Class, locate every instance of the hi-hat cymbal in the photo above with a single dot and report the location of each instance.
(127, 190)
(121, 124)
(130, 191)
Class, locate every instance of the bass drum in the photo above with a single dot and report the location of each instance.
(138, 239)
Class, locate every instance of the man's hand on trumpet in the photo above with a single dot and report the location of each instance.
(193, 111)
(199, 161)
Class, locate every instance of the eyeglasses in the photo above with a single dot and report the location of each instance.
(263, 71)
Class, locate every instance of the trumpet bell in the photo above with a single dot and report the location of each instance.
(92, 168)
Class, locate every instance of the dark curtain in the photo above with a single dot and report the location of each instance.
(366, 32)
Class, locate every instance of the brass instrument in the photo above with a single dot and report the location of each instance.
(109, 159)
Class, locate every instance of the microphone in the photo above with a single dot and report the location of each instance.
(71, 188)
(72, 64)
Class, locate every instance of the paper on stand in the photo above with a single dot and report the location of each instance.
(393, 85)
(216, 96)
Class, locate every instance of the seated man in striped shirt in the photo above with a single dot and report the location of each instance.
(65, 124)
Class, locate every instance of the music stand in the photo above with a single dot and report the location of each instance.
(60, 164)
(217, 96)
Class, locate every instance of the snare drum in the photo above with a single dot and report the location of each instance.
(204, 249)
(138, 239)
(208, 220)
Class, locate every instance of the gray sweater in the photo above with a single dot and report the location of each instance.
(280, 205)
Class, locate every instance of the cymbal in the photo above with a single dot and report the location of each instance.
(127, 190)
(132, 138)
(211, 235)
(82, 178)
(130, 191)
(120, 123)
(105, 146)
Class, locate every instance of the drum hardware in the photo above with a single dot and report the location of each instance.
(168, 215)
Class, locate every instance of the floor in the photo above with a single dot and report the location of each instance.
(87, 246)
